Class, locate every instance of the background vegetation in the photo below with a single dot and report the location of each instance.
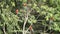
(43, 15)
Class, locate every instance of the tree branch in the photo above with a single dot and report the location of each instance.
(26, 18)
(4, 29)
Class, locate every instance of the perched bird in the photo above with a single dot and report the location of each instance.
(16, 11)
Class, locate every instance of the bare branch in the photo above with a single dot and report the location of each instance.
(26, 18)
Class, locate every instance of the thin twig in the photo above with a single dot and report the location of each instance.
(27, 30)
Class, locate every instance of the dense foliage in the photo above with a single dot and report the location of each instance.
(13, 12)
